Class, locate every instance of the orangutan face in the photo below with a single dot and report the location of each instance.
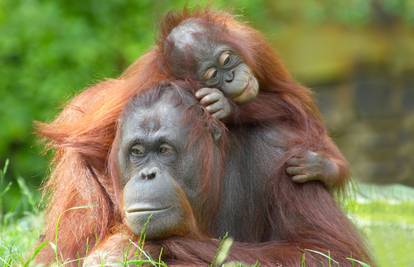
(215, 64)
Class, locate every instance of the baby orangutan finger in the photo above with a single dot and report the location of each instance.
(215, 107)
(295, 161)
(310, 155)
(295, 170)
(205, 91)
(220, 114)
(211, 98)
(303, 178)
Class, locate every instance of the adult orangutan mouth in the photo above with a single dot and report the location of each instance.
(146, 209)
(249, 91)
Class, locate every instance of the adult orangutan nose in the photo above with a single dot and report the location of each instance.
(149, 173)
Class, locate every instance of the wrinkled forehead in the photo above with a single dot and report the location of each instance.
(160, 117)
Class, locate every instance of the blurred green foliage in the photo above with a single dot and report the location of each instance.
(49, 50)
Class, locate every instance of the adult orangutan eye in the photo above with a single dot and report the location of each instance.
(210, 73)
(224, 58)
(137, 151)
(165, 149)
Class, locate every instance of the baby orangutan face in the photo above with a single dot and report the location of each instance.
(215, 64)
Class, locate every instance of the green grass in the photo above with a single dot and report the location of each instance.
(386, 217)
(384, 214)
(17, 238)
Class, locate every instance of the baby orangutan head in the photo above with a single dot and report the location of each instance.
(194, 51)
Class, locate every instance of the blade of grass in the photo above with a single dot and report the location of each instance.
(222, 251)
(28, 194)
(57, 228)
(363, 264)
(35, 252)
(148, 257)
(330, 259)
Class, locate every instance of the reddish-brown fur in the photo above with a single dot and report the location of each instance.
(280, 98)
(83, 133)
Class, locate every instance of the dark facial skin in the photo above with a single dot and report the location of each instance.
(156, 169)
(218, 67)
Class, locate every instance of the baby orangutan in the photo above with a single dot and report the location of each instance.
(194, 49)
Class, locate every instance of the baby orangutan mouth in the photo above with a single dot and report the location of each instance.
(249, 92)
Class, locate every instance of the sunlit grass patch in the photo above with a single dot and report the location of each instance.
(17, 238)
(385, 214)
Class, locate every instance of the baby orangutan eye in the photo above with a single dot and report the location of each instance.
(137, 150)
(165, 149)
(210, 73)
(224, 58)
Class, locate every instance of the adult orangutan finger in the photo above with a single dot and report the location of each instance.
(204, 91)
(211, 98)
(295, 170)
(303, 178)
(215, 107)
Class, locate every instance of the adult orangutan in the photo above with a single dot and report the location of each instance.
(84, 132)
(157, 169)
(166, 163)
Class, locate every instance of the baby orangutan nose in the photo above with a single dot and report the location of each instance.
(229, 76)
(149, 173)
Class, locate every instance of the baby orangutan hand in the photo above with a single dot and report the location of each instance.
(312, 166)
(214, 101)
